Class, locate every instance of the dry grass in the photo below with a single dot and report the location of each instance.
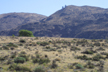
(58, 49)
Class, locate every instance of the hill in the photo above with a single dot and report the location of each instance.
(71, 21)
(12, 20)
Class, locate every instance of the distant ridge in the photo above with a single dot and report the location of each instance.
(12, 20)
(71, 21)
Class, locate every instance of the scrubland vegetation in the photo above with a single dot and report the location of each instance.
(49, 54)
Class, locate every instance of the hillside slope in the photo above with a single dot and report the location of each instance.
(12, 20)
(71, 21)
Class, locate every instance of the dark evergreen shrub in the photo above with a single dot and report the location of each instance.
(22, 41)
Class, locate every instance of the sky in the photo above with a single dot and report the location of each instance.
(45, 7)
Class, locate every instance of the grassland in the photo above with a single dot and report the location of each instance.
(49, 54)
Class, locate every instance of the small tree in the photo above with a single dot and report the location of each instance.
(25, 33)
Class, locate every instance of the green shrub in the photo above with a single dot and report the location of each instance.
(73, 48)
(48, 47)
(64, 46)
(94, 40)
(2, 58)
(20, 44)
(59, 50)
(41, 60)
(12, 45)
(25, 69)
(9, 61)
(97, 57)
(38, 43)
(24, 56)
(19, 60)
(25, 33)
(44, 43)
(89, 62)
(36, 38)
(84, 41)
(5, 47)
(37, 56)
(44, 60)
(106, 40)
(79, 66)
(0, 48)
(105, 45)
(13, 56)
(39, 69)
(89, 52)
(22, 52)
(70, 66)
(106, 55)
(83, 45)
(59, 41)
(54, 65)
(97, 44)
(100, 40)
(15, 67)
(35, 60)
(91, 66)
(84, 57)
(52, 49)
(101, 49)
(91, 45)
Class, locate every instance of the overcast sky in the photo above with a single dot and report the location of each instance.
(45, 7)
